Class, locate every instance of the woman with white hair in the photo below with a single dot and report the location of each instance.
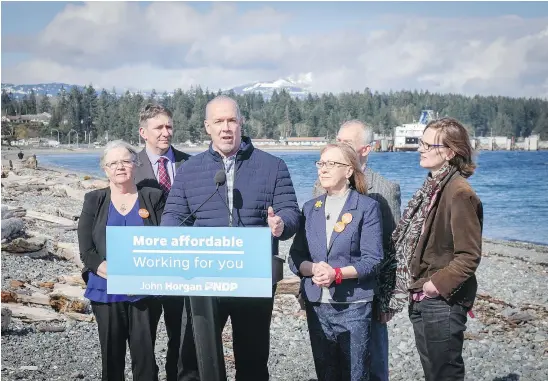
(120, 318)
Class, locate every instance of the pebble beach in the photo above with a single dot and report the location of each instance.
(507, 339)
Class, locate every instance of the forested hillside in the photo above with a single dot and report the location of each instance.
(282, 115)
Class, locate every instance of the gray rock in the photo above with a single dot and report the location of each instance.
(404, 347)
(28, 367)
(6, 318)
(540, 338)
(508, 311)
(31, 162)
(12, 227)
(24, 245)
(521, 317)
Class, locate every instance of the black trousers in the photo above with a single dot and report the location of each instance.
(118, 323)
(439, 336)
(181, 363)
(250, 319)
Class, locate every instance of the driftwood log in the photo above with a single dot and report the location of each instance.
(68, 215)
(33, 314)
(72, 279)
(31, 214)
(34, 298)
(10, 212)
(68, 251)
(66, 298)
(48, 327)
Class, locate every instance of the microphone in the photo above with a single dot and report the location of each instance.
(220, 179)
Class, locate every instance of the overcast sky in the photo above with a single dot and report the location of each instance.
(486, 48)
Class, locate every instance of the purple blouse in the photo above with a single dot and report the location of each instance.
(96, 290)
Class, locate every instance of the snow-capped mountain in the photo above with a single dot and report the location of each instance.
(296, 88)
(51, 89)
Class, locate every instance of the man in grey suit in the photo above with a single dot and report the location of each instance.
(387, 193)
(159, 164)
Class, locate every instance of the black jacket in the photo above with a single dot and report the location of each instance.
(92, 224)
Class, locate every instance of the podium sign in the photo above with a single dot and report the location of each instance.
(189, 261)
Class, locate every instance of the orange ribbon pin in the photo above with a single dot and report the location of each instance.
(346, 218)
(339, 227)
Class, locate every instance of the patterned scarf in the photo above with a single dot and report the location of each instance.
(406, 235)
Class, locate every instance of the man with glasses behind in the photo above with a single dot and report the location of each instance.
(160, 161)
(360, 136)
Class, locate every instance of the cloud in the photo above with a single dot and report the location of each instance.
(167, 45)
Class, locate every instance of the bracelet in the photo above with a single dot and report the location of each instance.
(338, 275)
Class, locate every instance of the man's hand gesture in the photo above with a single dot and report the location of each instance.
(275, 222)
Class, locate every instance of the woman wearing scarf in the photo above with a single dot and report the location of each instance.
(336, 252)
(438, 244)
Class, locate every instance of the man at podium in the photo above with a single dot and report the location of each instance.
(254, 190)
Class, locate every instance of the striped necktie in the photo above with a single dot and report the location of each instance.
(163, 175)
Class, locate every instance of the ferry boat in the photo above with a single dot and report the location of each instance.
(406, 137)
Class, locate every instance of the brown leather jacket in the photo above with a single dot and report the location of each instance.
(449, 250)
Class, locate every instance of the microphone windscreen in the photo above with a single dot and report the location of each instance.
(220, 177)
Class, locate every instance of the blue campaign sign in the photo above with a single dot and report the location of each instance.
(190, 261)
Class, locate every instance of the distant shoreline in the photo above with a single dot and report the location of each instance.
(12, 153)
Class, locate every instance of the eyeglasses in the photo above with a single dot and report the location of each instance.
(329, 164)
(124, 163)
(427, 146)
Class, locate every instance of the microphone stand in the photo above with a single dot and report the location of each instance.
(208, 338)
(207, 331)
(202, 204)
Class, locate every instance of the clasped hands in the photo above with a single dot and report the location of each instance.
(322, 274)
(102, 270)
(430, 290)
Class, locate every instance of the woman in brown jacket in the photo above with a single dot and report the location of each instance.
(438, 243)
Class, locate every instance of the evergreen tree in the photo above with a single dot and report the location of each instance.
(45, 105)
(282, 115)
(33, 105)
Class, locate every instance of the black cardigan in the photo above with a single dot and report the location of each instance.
(92, 224)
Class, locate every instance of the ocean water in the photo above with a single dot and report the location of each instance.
(512, 185)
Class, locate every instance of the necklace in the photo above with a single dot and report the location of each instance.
(125, 199)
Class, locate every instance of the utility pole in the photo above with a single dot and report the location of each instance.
(54, 129)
